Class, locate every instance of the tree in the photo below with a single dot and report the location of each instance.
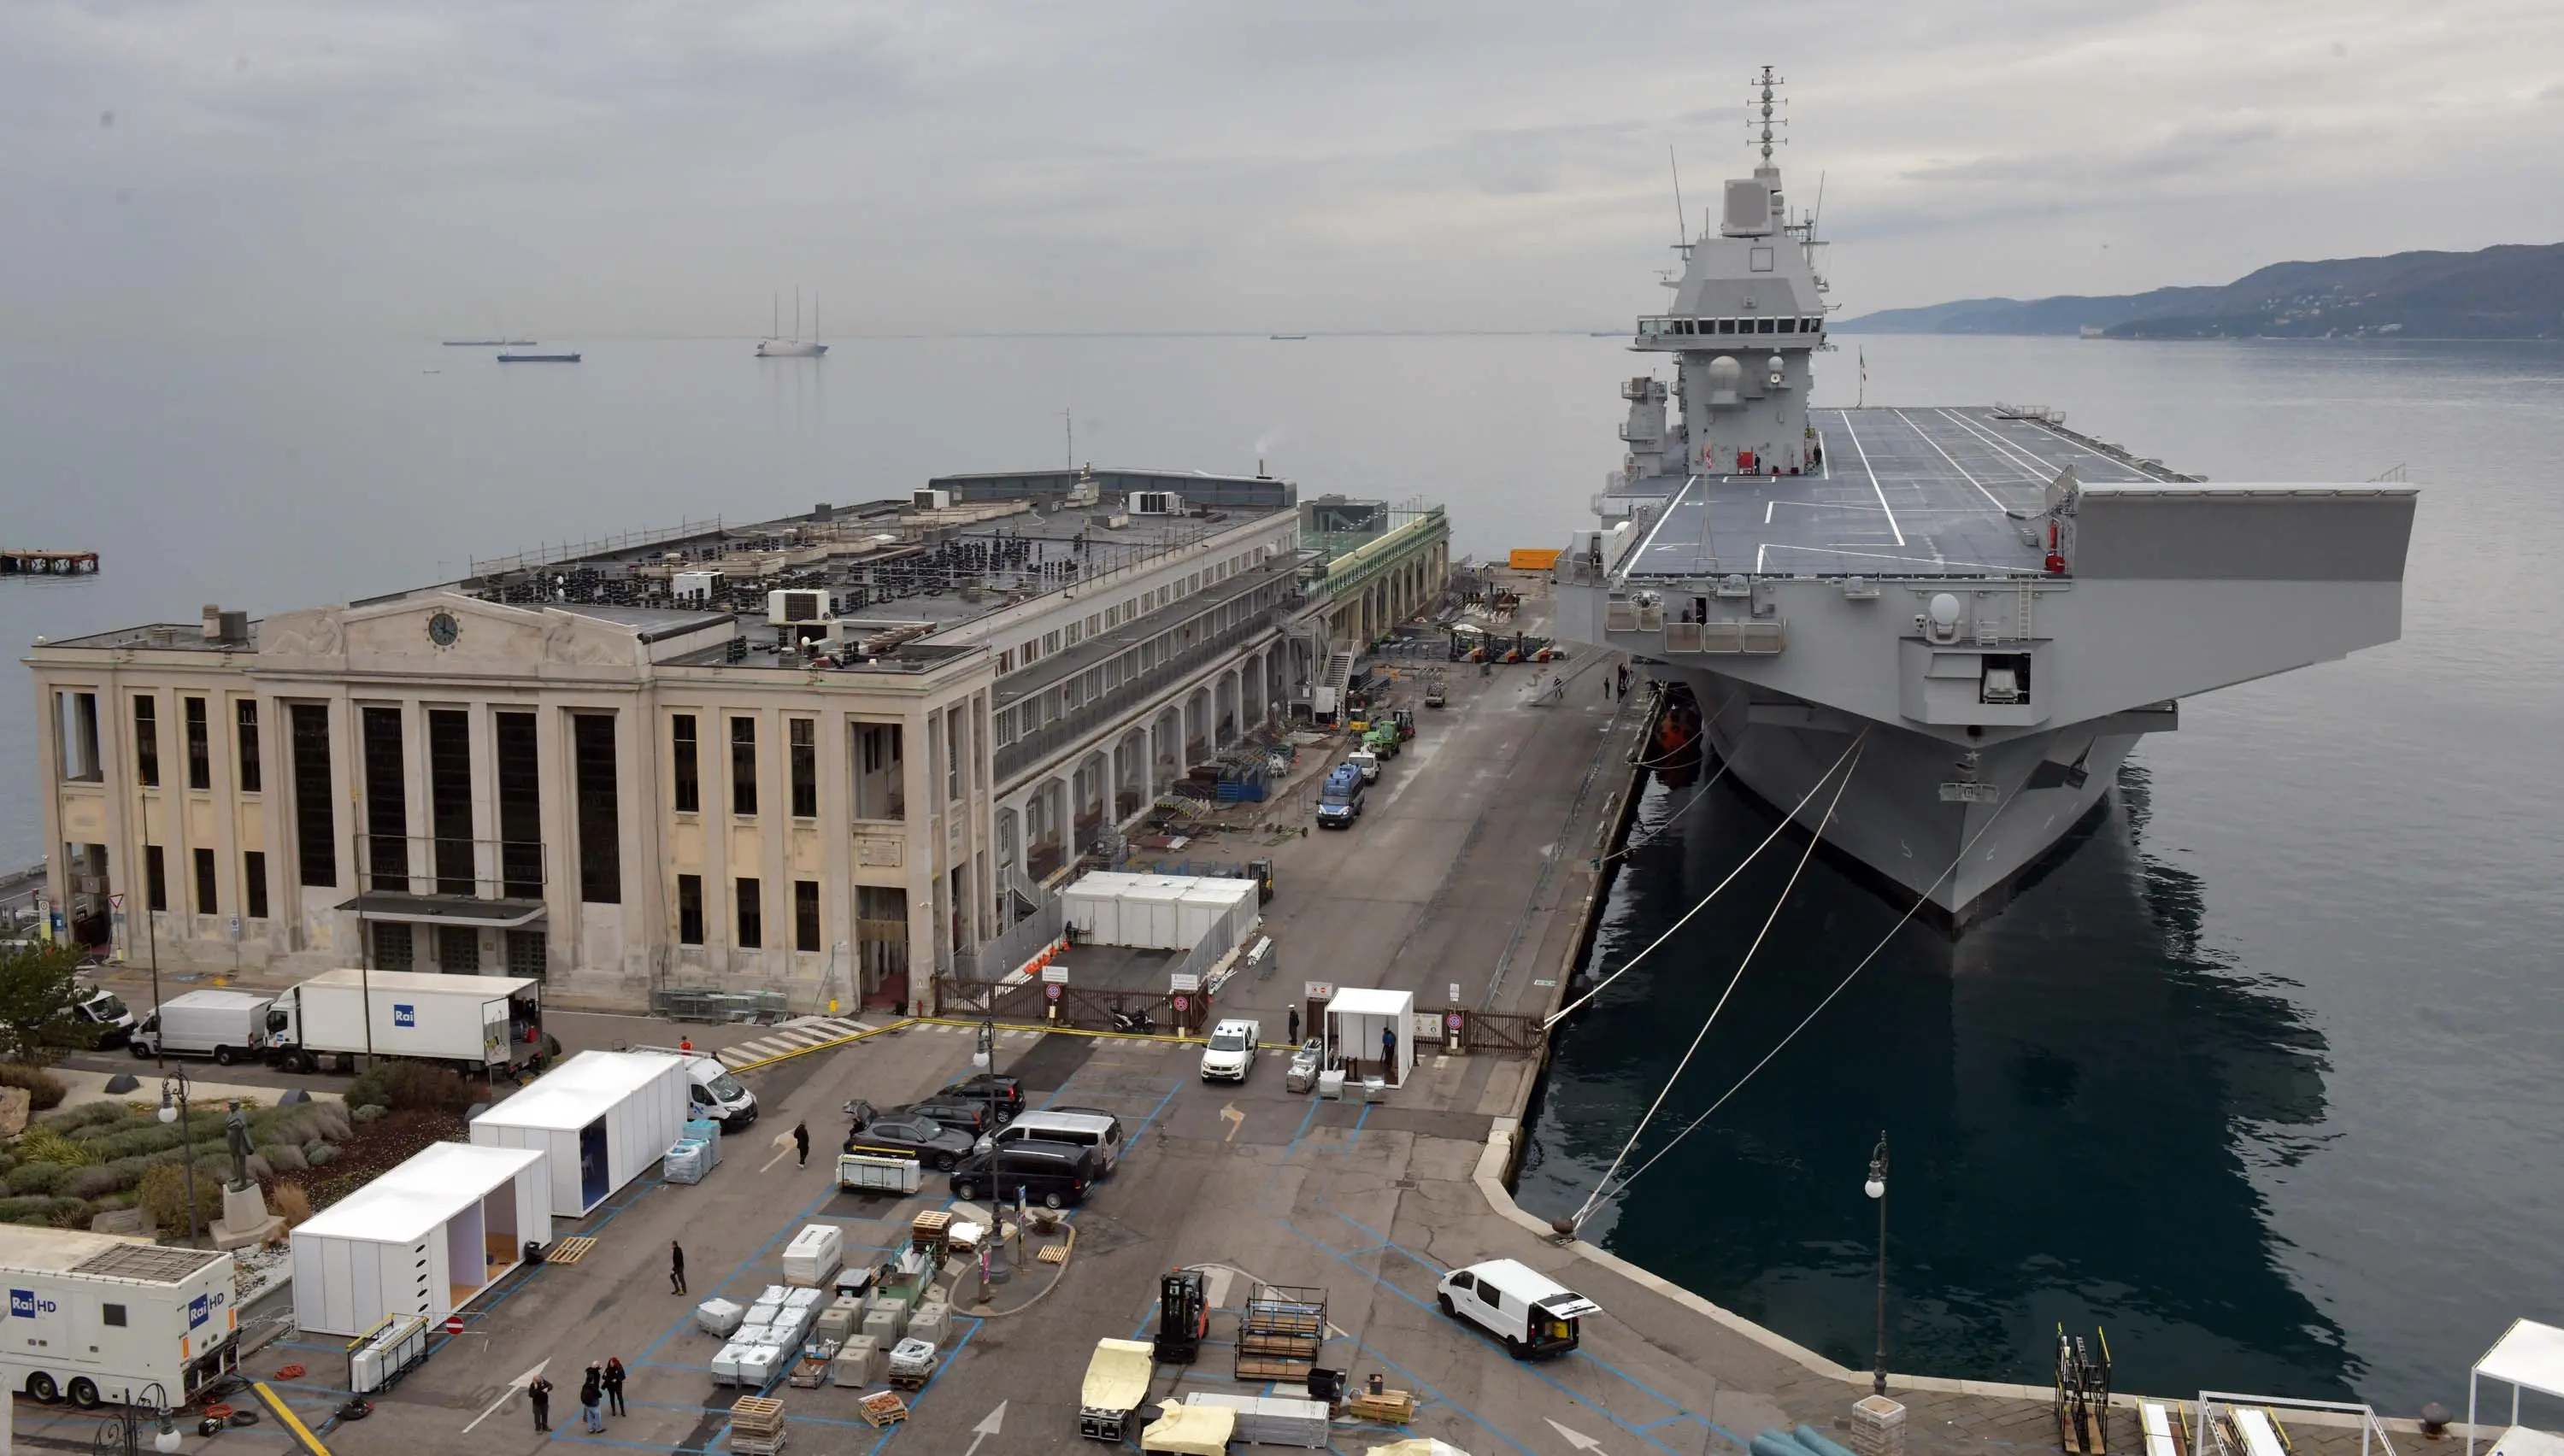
(40, 1000)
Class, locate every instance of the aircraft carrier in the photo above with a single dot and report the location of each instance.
(1972, 611)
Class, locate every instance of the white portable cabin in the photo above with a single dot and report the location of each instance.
(1355, 1019)
(602, 1117)
(1211, 906)
(1160, 912)
(423, 1239)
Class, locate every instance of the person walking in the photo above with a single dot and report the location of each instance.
(539, 1395)
(676, 1267)
(615, 1376)
(590, 1391)
(801, 1143)
(1295, 1026)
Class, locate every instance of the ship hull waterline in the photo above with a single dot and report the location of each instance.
(1892, 820)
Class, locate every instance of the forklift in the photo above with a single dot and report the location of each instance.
(1183, 1317)
(1261, 872)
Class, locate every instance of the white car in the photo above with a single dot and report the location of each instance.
(1231, 1053)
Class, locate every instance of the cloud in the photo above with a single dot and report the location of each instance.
(660, 168)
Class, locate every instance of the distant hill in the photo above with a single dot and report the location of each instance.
(2511, 292)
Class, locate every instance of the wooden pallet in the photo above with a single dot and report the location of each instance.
(883, 1407)
(757, 1415)
(1052, 1254)
(912, 1379)
(569, 1251)
(1391, 1407)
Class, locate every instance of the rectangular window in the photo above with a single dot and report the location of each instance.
(529, 954)
(316, 825)
(155, 878)
(205, 896)
(147, 741)
(448, 800)
(806, 915)
(395, 947)
(742, 767)
(1072, 634)
(881, 774)
(1006, 662)
(249, 771)
(254, 881)
(111, 1314)
(954, 741)
(681, 744)
(458, 949)
(520, 806)
(76, 713)
(751, 917)
(387, 856)
(1726, 325)
(600, 845)
(690, 910)
(200, 745)
(805, 767)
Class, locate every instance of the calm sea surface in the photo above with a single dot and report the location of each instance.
(2263, 1076)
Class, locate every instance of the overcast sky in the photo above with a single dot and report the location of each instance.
(575, 168)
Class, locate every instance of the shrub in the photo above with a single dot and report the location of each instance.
(44, 1144)
(285, 1157)
(402, 1084)
(45, 1090)
(259, 1169)
(86, 1115)
(163, 1194)
(97, 1183)
(331, 1117)
(370, 1112)
(291, 1203)
(128, 1142)
(319, 1155)
(38, 1177)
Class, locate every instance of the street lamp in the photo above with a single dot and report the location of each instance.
(1876, 1188)
(118, 1435)
(176, 1082)
(985, 1059)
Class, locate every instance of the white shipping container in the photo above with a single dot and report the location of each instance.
(423, 1239)
(603, 1117)
(97, 1316)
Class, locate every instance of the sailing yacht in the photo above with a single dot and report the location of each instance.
(776, 347)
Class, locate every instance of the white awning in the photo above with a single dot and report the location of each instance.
(2529, 1355)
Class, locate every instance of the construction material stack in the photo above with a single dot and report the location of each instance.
(756, 1426)
(912, 1365)
(811, 1260)
(1270, 1420)
(1117, 1380)
(1281, 1332)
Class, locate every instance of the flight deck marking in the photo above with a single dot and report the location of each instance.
(1954, 465)
(1873, 478)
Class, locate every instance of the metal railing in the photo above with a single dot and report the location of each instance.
(547, 555)
(998, 956)
(2215, 1430)
(469, 869)
(1032, 748)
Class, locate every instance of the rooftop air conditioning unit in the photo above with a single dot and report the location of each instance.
(795, 604)
(1157, 502)
(693, 587)
(925, 499)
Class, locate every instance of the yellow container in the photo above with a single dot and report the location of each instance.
(1527, 558)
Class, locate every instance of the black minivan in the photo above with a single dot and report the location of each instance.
(1052, 1174)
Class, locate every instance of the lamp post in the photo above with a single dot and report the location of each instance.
(1876, 1188)
(152, 921)
(987, 1060)
(176, 1082)
(119, 1433)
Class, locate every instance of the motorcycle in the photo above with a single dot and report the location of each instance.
(1133, 1021)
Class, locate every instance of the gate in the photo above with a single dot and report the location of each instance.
(1504, 1033)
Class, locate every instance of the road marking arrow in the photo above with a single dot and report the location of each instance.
(1236, 1121)
(514, 1388)
(1578, 1440)
(986, 1427)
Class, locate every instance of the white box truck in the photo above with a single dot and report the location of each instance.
(95, 1318)
(470, 1021)
(227, 1027)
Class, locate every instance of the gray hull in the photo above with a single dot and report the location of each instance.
(1892, 818)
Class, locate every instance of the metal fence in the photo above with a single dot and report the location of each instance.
(995, 958)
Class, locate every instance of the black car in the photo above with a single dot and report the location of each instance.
(1053, 1175)
(971, 1118)
(928, 1141)
(1008, 1094)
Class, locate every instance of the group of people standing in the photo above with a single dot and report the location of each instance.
(599, 1390)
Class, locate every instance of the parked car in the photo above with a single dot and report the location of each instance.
(956, 1112)
(923, 1139)
(984, 1087)
(1231, 1052)
(1053, 1175)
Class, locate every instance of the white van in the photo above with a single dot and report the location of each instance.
(1533, 1314)
(1366, 761)
(712, 1092)
(1097, 1130)
(1231, 1052)
(227, 1027)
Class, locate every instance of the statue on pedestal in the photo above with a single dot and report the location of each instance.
(236, 1134)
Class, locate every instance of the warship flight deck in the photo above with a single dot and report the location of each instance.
(1925, 492)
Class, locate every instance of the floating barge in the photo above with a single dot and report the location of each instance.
(47, 564)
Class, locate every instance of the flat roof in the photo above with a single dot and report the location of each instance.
(408, 1202)
(578, 1091)
(420, 980)
(1902, 492)
(1370, 1001)
(113, 1256)
(2529, 1355)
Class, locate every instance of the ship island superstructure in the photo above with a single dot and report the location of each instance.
(1993, 607)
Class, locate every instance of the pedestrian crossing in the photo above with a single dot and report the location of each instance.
(812, 1033)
